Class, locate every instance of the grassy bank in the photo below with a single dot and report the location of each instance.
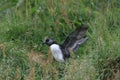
(25, 23)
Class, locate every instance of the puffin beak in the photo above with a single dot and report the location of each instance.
(43, 42)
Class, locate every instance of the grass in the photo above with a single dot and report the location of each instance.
(24, 24)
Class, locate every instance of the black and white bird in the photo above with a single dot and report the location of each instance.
(62, 51)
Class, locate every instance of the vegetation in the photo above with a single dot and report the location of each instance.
(25, 23)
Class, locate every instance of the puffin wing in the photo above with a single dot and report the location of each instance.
(76, 38)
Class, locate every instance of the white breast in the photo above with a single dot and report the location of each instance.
(57, 53)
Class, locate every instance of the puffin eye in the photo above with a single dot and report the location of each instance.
(47, 40)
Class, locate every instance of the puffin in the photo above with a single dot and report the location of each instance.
(73, 41)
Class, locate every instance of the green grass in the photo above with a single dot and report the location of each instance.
(24, 25)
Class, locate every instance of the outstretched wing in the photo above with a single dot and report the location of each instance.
(76, 38)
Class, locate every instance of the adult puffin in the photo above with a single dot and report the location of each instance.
(62, 51)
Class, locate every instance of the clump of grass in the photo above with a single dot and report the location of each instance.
(22, 55)
(110, 69)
